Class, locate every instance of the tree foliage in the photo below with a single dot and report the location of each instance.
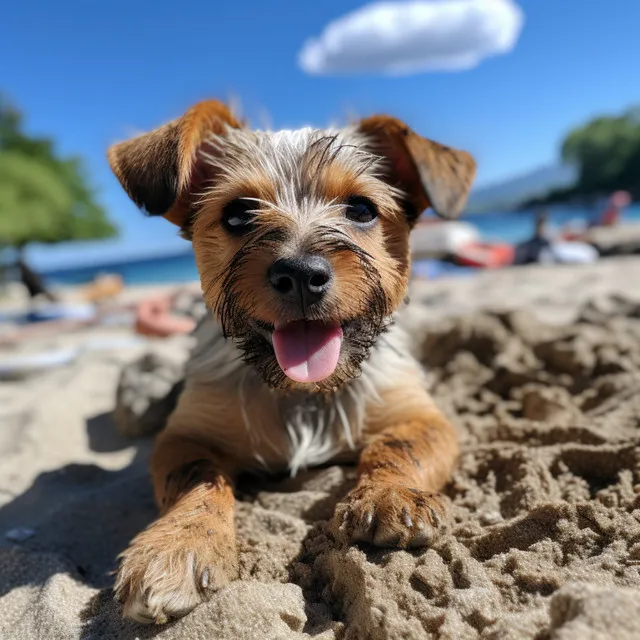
(43, 198)
(606, 152)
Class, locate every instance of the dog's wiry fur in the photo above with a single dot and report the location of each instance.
(239, 411)
(274, 432)
(298, 181)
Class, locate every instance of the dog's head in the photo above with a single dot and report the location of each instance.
(301, 237)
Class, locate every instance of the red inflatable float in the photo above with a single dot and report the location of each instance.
(154, 318)
(485, 255)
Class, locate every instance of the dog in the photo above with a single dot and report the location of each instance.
(301, 240)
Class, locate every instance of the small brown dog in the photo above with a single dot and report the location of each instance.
(302, 244)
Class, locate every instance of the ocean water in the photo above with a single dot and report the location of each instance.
(166, 269)
(504, 227)
(517, 227)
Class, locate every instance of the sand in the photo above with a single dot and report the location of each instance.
(538, 368)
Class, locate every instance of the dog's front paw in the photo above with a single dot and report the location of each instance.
(168, 570)
(390, 515)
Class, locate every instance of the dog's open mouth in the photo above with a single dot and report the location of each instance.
(307, 351)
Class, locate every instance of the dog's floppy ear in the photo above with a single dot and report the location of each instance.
(429, 173)
(159, 170)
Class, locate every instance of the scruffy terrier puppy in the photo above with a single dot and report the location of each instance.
(302, 245)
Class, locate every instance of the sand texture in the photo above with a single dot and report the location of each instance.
(545, 542)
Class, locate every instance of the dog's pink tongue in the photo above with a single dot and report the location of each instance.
(307, 351)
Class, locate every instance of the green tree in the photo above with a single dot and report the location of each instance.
(43, 198)
(606, 153)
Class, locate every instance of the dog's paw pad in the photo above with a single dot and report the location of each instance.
(390, 515)
(156, 585)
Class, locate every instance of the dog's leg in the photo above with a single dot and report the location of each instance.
(395, 502)
(190, 550)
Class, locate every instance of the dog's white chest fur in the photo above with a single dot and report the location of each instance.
(276, 430)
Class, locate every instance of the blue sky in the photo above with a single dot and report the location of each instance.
(91, 73)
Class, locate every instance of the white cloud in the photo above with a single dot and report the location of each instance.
(399, 38)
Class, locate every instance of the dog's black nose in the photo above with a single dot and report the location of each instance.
(303, 280)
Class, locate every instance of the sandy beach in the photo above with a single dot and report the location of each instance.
(539, 369)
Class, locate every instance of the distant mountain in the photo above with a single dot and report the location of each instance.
(510, 193)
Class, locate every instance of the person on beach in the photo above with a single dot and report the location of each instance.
(528, 252)
(612, 210)
(32, 282)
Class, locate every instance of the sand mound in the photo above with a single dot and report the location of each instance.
(545, 542)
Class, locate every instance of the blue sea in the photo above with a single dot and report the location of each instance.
(506, 227)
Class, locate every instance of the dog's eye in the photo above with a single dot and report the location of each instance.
(361, 210)
(238, 216)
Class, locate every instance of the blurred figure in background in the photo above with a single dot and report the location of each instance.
(528, 252)
(33, 282)
(609, 214)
